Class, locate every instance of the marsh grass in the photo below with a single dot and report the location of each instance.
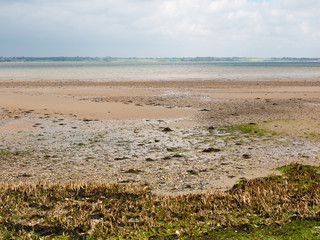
(275, 207)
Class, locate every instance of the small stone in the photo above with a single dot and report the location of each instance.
(132, 170)
(193, 172)
(127, 181)
(246, 156)
(167, 129)
(26, 175)
(150, 160)
(212, 150)
(177, 155)
(121, 158)
(87, 120)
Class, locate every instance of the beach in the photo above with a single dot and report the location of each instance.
(177, 135)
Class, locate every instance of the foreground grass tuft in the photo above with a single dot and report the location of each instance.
(275, 207)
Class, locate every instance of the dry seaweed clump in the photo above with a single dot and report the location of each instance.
(272, 207)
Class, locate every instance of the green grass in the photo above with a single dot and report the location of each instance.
(313, 135)
(284, 168)
(250, 129)
(274, 207)
(295, 230)
(8, 155)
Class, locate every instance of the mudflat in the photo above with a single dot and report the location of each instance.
(178, 136)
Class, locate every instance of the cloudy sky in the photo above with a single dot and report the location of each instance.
(160, 28)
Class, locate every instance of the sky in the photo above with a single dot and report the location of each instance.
(160, 28)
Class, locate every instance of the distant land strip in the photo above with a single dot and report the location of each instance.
(191, 59)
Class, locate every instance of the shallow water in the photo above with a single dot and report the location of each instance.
(110, 71)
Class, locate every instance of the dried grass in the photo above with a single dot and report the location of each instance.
(101, 210)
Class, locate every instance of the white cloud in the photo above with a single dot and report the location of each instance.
(156, 27)
(226, 5)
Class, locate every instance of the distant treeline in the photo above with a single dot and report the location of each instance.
(52, 59)
(193, 59)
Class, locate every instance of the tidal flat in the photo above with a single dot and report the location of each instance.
(168, 139)
(99, 131)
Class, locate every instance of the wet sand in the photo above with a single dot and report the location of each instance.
(119, 131)
(43, 103)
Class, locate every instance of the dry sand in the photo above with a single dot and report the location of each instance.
(115, 131)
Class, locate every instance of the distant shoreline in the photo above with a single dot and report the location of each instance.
(192, 59)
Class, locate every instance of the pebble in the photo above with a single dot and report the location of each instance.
(106, 145)
(167, 129)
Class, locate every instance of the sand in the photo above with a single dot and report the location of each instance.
(82, 108)
(105, 131)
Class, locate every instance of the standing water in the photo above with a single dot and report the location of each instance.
(126, 70)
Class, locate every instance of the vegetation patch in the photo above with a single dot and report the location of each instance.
(274, 207)
(8, 155)
(250, 129)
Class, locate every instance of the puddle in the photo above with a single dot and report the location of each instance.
(313, 104)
